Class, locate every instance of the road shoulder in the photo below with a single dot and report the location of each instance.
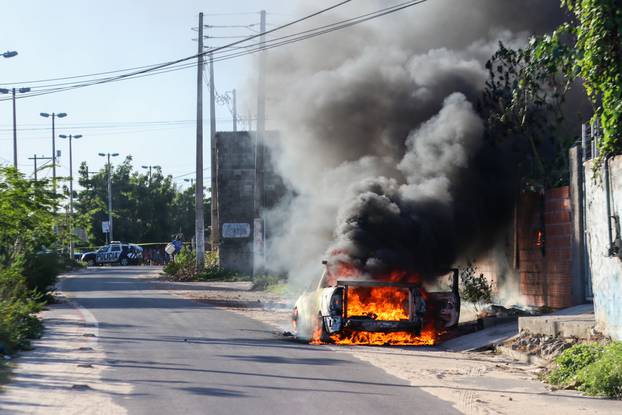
(62, 374)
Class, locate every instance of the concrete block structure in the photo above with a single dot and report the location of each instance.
(236, 155)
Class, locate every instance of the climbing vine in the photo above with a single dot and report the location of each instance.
(598, 47)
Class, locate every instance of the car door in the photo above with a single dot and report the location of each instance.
(101, 256)
(115, 253)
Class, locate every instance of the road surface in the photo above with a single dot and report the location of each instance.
(183, 357)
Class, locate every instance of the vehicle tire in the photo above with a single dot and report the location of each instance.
(90, 263)
(124, 262)
(319, 332)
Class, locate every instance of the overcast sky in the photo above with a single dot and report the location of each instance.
(73, 37)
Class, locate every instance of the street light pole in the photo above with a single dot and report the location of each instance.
(110, 234)
(76, 136)
(13, 91)
(53, 115)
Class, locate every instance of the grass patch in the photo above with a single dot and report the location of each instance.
(593, 368)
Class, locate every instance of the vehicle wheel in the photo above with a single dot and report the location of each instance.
(90, 263)
(124, 262)
(319, 331)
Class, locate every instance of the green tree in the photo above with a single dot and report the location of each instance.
(146, 207)
(598, 59)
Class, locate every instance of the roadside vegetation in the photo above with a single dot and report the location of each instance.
(28, 265)
(183, 268)
(593, 368)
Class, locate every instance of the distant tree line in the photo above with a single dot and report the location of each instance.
(146, 207)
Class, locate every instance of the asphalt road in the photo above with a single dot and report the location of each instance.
(182, 357)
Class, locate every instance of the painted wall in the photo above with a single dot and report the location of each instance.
(606, 270)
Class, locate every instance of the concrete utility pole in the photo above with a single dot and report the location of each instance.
(109, 168)
(14, 133)
(258, 227)
(199, 224)
(214, 157)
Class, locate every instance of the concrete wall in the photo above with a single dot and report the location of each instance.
(236, 194)
(606, 270)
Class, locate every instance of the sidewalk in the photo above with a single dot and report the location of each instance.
(62, 375)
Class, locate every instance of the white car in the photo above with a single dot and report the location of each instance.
(335, 307)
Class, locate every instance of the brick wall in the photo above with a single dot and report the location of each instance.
(545, 248)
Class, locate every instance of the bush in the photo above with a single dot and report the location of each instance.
(18, 305)
(41, 271)
(571, 361)
(184, 268)
(604, 376)
(592, 368)
(474, 289)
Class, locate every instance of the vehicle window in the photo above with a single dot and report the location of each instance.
(115, 248)
(102, 249)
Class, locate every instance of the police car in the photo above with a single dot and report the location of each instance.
(115, 253)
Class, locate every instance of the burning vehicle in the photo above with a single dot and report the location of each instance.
(399, 310)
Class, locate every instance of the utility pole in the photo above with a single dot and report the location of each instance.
(258, 226)
(235, 110)
(214, 157)
(14, 133)
(109, 201)
(71, 137)
(110, 237)
(35, 158)
(199, 224)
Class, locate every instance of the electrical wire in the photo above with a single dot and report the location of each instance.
(153, 67)
(261, 46)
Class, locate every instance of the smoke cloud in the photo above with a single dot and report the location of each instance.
(382, 145)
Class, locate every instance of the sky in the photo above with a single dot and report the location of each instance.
(152, 118)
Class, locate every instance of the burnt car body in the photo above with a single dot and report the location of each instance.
(323, 311)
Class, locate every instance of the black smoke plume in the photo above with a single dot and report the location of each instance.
(382, 145)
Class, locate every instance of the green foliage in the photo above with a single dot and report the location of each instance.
(604, 376)
(473, 288)
(27, 269)
(18, 323)
(598, 61)
(41, 271)
(184, 268)
(592, 368)
(147, 207)
(573, 360)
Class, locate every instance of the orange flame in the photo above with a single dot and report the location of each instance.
(382, 303)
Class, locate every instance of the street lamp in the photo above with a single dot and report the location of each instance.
(13, 91)
(53, 115)
(71, 136)
(9, 54)
(109, 192)
(191, 181)
(149, 168)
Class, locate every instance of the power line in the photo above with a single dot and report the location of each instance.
(272, 43)
(149, 68)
